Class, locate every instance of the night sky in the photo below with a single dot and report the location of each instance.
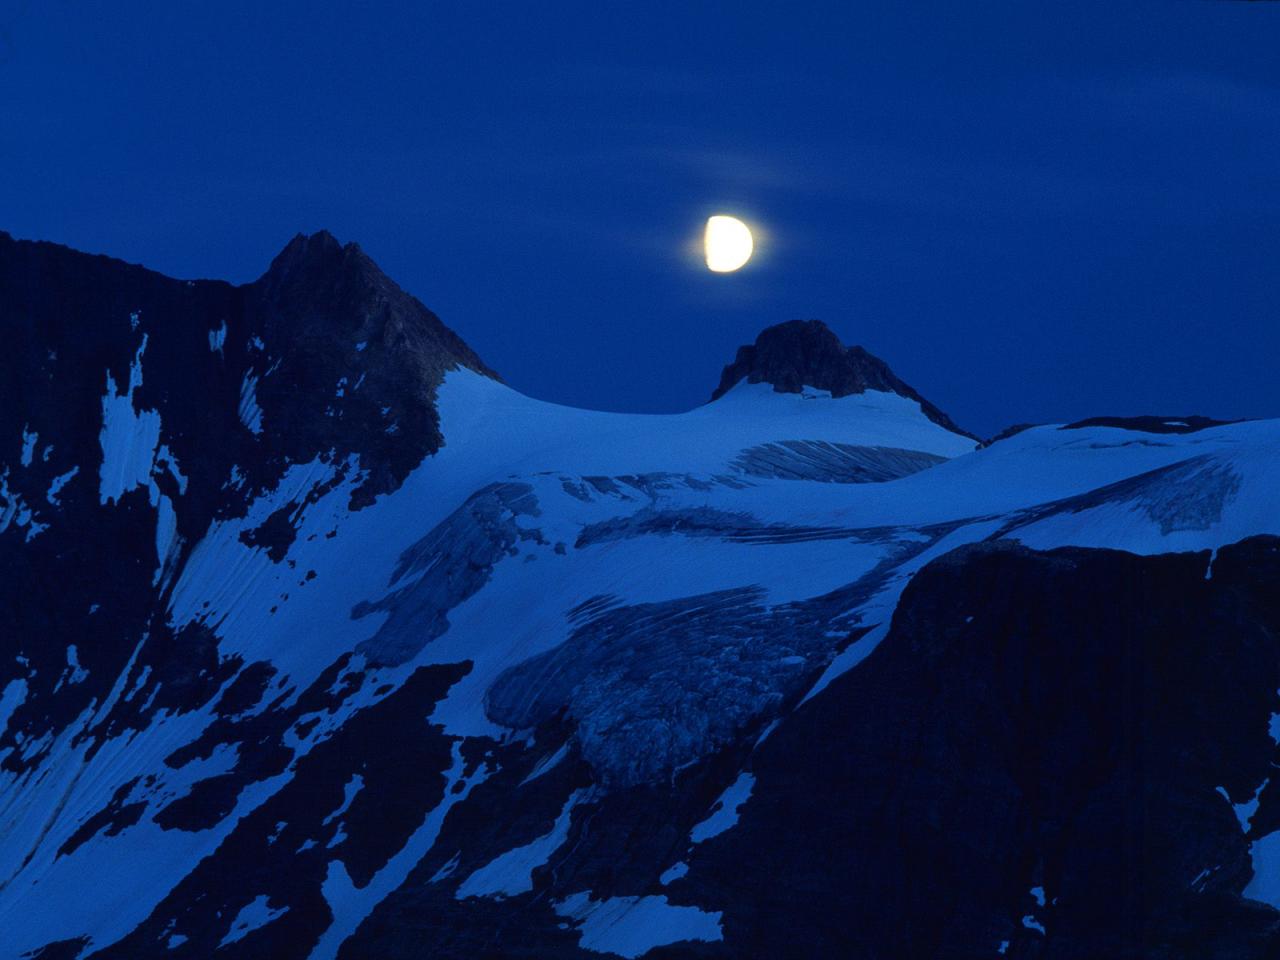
(1033, 212)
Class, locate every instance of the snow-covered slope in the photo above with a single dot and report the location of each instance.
(452, 671)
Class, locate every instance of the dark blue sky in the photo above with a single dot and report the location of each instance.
(1031, 211)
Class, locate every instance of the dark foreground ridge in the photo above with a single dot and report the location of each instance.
(1026, 726)
(802, 353)
(1149, 424)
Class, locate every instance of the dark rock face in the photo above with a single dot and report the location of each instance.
(332, 319)
(1005, 434)
(802, 353)
(338, 359)
(1152, 424)
(281, 847)
(1060, 720)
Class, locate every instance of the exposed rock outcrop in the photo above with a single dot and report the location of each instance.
(801, 353)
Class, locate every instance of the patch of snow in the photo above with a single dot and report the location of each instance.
(1244, 811)
(78, 673)
(725, 814)
(168, 542)
(764, 734)
(353, 787)
(447, 870)
(351, 904)
(171, 462)
(14, 510)
(546, 763)
(14, 696)
(217, 338)
(253, 916)
(632, 926)
(29, 439)
(58, 482)
(673, 873)
(143, 676)
(227, 582)
(128, 438)
(511, 873)
(1265, 885)
(249, 411)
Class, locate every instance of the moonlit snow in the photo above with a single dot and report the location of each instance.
(589, 522)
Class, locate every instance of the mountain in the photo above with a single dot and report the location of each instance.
(320, 641)
(800, 353)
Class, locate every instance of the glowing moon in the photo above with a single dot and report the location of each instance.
(728, 244)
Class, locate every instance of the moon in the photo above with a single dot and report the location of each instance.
(728, 244)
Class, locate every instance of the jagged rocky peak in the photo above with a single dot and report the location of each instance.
(320, 287)
(323, 356)
(800, 353)
(332, 320)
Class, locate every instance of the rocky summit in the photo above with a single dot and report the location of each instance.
(321, 642)
(800, 353)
